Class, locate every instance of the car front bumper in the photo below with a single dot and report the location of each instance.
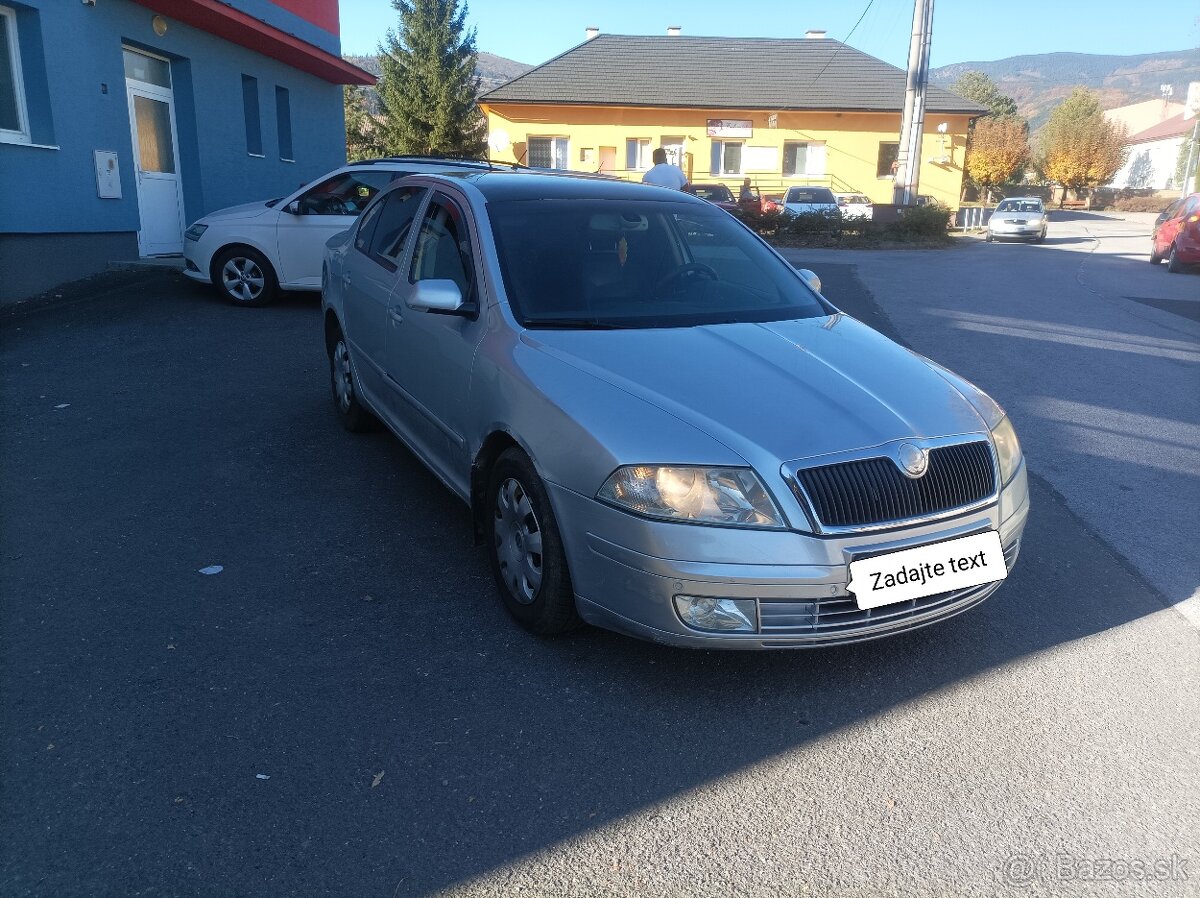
(626, 571)
(1023, 231)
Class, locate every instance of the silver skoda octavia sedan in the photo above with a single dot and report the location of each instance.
(660, 426)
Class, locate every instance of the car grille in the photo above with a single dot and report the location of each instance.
(874, 491)
(839, 617)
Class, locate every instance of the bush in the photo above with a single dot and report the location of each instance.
(1140, 203)
(920, 224)
(931, 221)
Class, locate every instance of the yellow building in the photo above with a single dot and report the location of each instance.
(805, 111)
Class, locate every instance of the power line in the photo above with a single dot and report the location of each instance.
(870, 3)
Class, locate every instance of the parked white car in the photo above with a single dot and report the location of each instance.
(855, 205)
(250, 252)
(809, 200)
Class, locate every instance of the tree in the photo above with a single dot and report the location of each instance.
(363, 140)
(1080, 147)
(999, 151)
(1185, 154)
(983, 90)
(428, 87)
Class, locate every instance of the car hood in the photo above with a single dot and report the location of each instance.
(794, 389)
(245, 210)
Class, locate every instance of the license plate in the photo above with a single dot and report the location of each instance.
(927, 570)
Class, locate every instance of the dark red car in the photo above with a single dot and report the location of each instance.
(717, 194)
(1176, 236)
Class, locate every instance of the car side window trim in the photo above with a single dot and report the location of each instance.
(415, 194)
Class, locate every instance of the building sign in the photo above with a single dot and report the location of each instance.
(730, 127)
(773, 120)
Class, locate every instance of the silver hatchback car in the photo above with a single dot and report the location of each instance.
(660, 426)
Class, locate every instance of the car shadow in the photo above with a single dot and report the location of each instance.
(346, 708)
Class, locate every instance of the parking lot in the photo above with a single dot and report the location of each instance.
(346, 709)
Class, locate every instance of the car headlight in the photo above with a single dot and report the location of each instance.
(195, 231)
(734, 497)
(1008, 450)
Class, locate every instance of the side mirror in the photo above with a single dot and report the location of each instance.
(293, 208)
(436, 295)
(810, 278)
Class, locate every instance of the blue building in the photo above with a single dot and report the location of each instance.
(121, 121)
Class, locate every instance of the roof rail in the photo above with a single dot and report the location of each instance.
(445, 160)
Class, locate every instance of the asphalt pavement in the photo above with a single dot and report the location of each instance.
(345, 708)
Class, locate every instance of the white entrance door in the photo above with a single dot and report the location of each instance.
(156, 160)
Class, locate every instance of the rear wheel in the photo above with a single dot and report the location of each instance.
(525, 548)
(1173, 264)
(244, 277)
(350, 411)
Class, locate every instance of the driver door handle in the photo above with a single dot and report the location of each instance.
(395, 314)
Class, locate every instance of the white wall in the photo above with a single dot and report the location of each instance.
(1161, 156)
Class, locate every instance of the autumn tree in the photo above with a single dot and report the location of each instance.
(983, 90)
(1080, 148)
(363, 140)
(999, 151)
(428, 84)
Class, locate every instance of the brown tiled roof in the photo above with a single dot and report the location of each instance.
(1175, 126)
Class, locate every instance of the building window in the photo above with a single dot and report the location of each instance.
(283, 119)
(889, 157)
(637, 154)
(795, 159)
(14, 116)
(548, 152)
(253, 119)
(146, 68)
(726, 157)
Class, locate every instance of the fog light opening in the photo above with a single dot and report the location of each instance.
(718, 615)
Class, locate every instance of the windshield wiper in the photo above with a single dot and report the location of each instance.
(583, 324)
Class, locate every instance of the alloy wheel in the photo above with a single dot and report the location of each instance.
(243, 279)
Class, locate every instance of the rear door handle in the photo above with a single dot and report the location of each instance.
(394, 312)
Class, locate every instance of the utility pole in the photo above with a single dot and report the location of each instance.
(908, 162)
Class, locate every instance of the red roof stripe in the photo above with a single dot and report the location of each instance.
(322, 13)
(240, 28)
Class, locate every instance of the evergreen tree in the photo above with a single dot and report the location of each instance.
(362, 128)
(428, 87)
(983, 90)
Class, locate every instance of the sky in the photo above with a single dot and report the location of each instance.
(532, 31)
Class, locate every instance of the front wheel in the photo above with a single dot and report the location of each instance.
(526, 550)
(1173, 264)
(989, 237)
(244, 277)
(1155, 258)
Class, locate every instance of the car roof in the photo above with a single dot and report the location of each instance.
(534, 185)
(435, 162)
(1021, 199)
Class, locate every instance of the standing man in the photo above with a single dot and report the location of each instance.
(663, 174)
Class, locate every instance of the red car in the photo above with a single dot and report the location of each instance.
(1176, 236)
(717, 194)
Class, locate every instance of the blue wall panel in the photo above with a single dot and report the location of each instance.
(48, 190)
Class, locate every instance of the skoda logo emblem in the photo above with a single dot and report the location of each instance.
(914, 460)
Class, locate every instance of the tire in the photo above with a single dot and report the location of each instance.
(1155, 258)
(535, 586)
(244, 277)
(1173, 264)
(989, 237)
(353, 415)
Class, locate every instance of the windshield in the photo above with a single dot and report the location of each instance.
(618, 263)
(810, 195)
(1019, 206)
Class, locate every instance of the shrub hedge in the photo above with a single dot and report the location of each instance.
(920, 224)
